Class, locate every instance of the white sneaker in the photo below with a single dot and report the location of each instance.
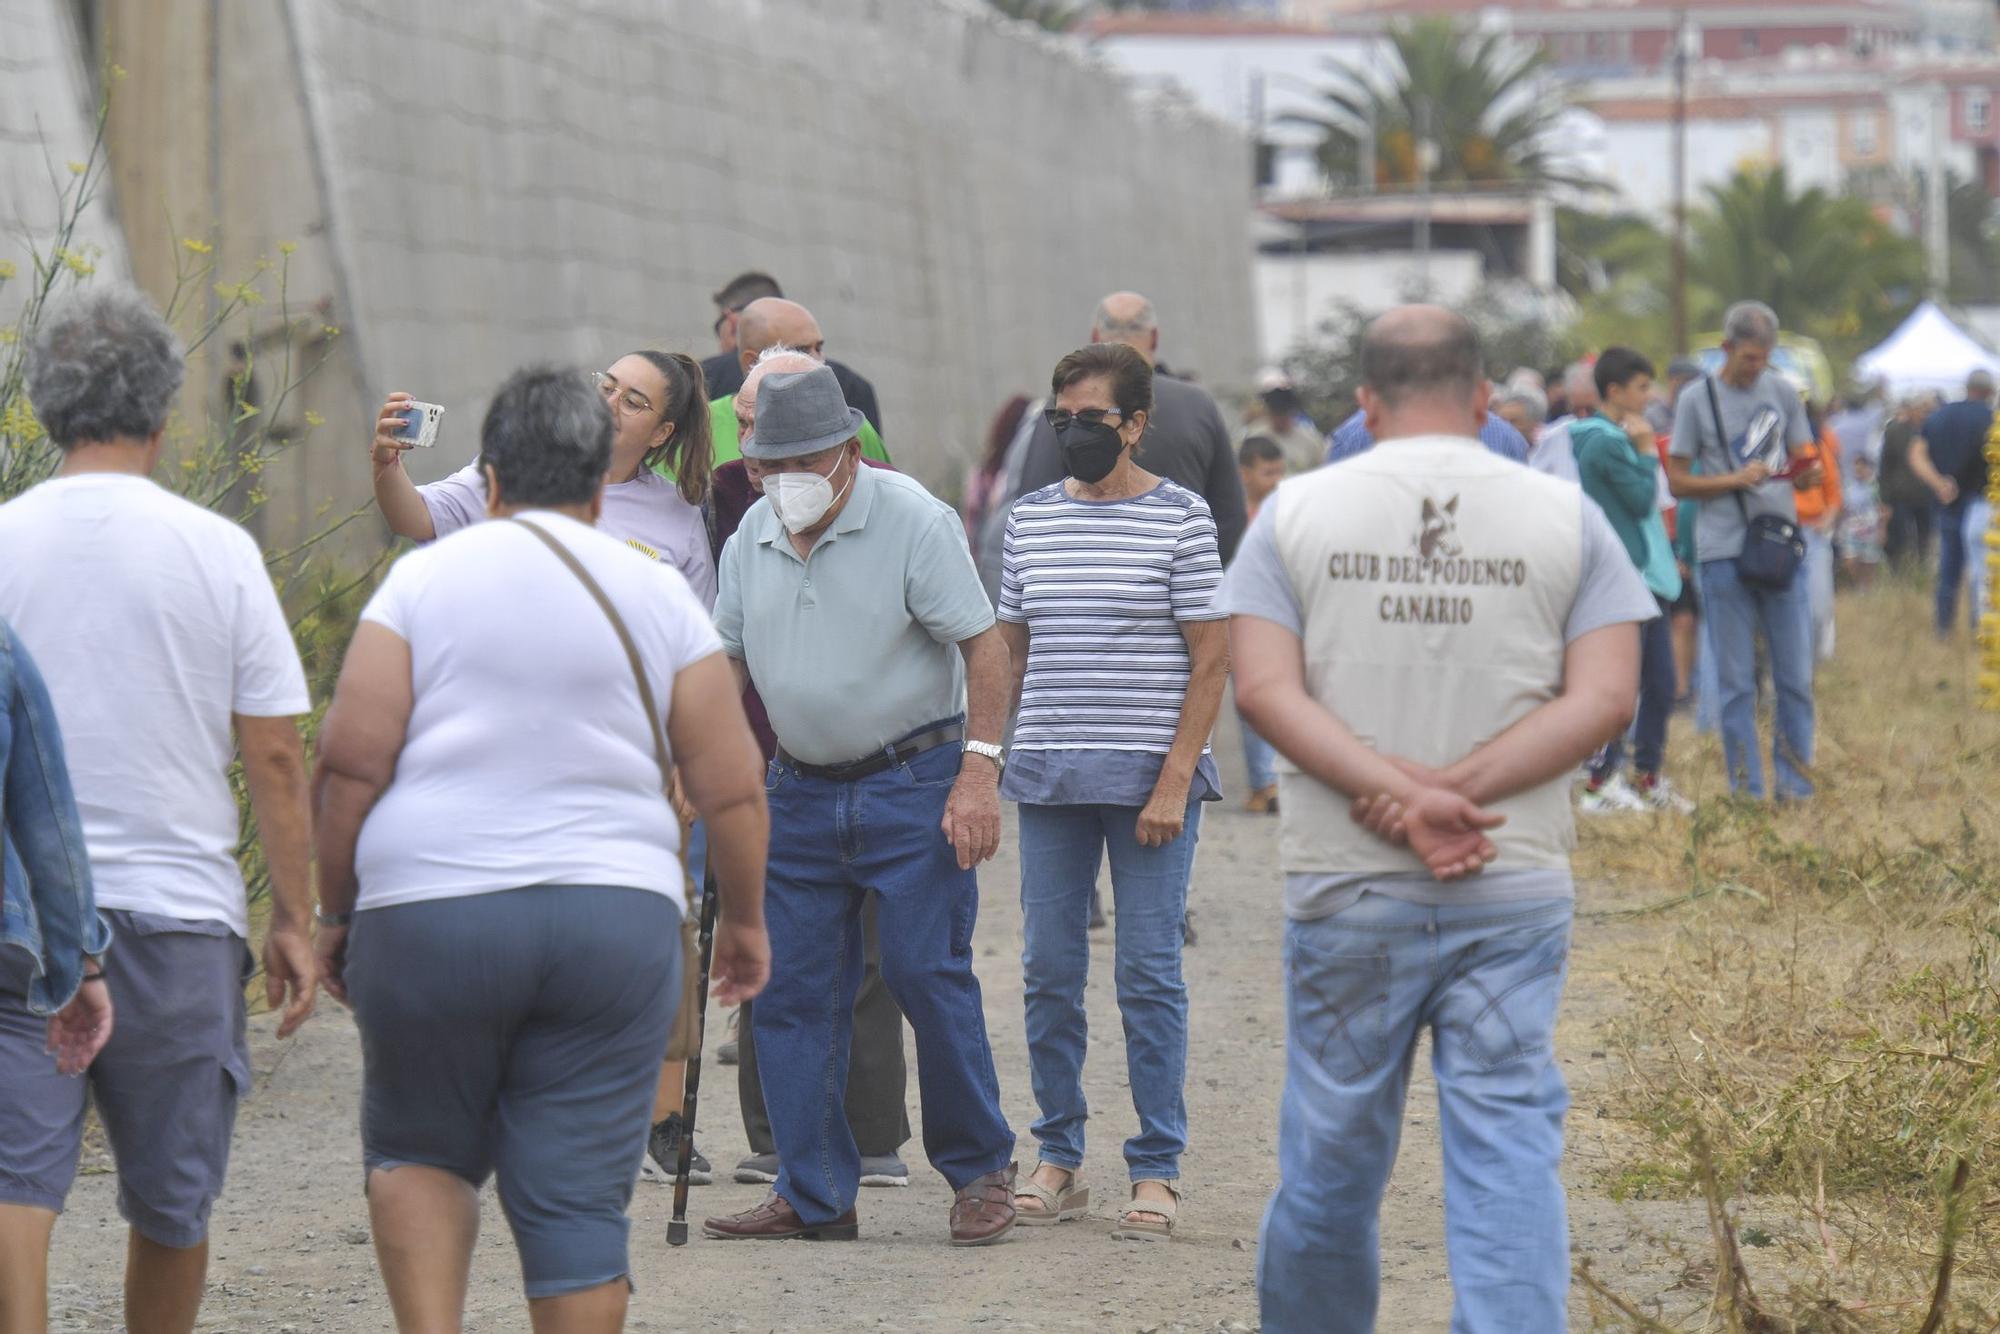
(1661, 795)
(1615, 797)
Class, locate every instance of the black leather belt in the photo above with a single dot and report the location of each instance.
(888, 758)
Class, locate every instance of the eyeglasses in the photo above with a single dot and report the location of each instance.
(630, 401)
(1059, 420)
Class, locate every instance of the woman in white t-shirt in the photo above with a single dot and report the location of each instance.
(659, 414)
(492, 823)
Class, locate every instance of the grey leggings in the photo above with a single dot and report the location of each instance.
(521, 1031)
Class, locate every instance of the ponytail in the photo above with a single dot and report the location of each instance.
(690, 450)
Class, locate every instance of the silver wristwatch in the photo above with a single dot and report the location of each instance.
(990, 750)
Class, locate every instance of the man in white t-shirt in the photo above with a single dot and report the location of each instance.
(164, 648)
(1435, 639)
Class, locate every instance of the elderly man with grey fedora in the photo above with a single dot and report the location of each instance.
(849, 599)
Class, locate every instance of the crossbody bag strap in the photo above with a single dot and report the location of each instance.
(596, 591)
(1722, 442)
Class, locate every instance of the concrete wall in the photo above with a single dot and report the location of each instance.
(474, 189)
(47, 121)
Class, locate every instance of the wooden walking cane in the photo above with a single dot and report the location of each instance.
(677, 1227)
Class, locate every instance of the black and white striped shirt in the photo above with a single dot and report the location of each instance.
(1102, 586)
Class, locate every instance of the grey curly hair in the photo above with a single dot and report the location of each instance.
(104, 367)
(547, 437)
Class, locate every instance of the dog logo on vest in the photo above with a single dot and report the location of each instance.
(1439, 534)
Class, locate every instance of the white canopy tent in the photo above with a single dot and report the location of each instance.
(1929, 352)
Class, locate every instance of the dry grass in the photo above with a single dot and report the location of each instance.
(1814, 1037)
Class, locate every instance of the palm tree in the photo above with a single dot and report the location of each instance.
(1486, 102)
(1827, 264)
(1975, 257)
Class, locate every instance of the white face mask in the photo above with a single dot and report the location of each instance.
(801, 499)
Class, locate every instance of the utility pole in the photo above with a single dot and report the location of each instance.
(1677, 280)
(1425, 152)
(1937, 217)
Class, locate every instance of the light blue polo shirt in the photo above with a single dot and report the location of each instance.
(856, 647)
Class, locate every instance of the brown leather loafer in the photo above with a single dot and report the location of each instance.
(983, 1212)
(776, 1220)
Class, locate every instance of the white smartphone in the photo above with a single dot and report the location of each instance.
(420, 424)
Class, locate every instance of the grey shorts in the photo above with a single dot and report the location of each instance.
(166, 1086)
(521, 1031)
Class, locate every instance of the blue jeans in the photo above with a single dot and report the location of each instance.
(831, 843)
(1707, 688)
(1951, 563)
(1258, 757)
(1818, 574)
(1061, 848)
(1656, 703)
(1736, 613)
(1487, 980)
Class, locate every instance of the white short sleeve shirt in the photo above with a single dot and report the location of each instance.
(527, 760)
(153, 621)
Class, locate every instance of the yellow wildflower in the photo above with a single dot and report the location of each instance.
(195, 246)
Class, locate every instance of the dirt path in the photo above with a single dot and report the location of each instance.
(291, 1247)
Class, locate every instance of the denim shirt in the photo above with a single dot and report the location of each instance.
(47, 908)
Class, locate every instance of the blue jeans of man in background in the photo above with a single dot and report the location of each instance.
(1818, 574)
(831, 842)
(1951, 563)
(1487, 980)
(1061, 849)
(1736, 614)
(1656, 704)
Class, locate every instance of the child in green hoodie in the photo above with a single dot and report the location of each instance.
(1619, 469)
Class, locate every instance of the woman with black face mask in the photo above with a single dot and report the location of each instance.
(1109, 601)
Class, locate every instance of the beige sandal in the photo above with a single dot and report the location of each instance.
(1072, 1201)
(1132, 1228)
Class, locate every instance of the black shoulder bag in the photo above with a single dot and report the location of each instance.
(1773, 546)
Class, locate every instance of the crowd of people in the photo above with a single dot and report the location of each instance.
(661, 580)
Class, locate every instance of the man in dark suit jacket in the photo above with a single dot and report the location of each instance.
(1185, 441)
(724, 371)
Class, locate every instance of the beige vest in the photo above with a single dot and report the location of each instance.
(1436, 579)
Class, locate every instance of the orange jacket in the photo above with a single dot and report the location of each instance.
(1824, 498)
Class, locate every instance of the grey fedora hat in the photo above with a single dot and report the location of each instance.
(800, 412)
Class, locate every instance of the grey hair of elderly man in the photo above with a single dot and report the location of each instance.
(1580, 384)
(1128, 318)
(1422, 373)
(1523, 408)
(104, 367)
(546, 441)
(1750, 322)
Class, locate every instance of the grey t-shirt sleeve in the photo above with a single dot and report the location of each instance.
(1257, 584)
(1693, 402)
(1610, 590)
